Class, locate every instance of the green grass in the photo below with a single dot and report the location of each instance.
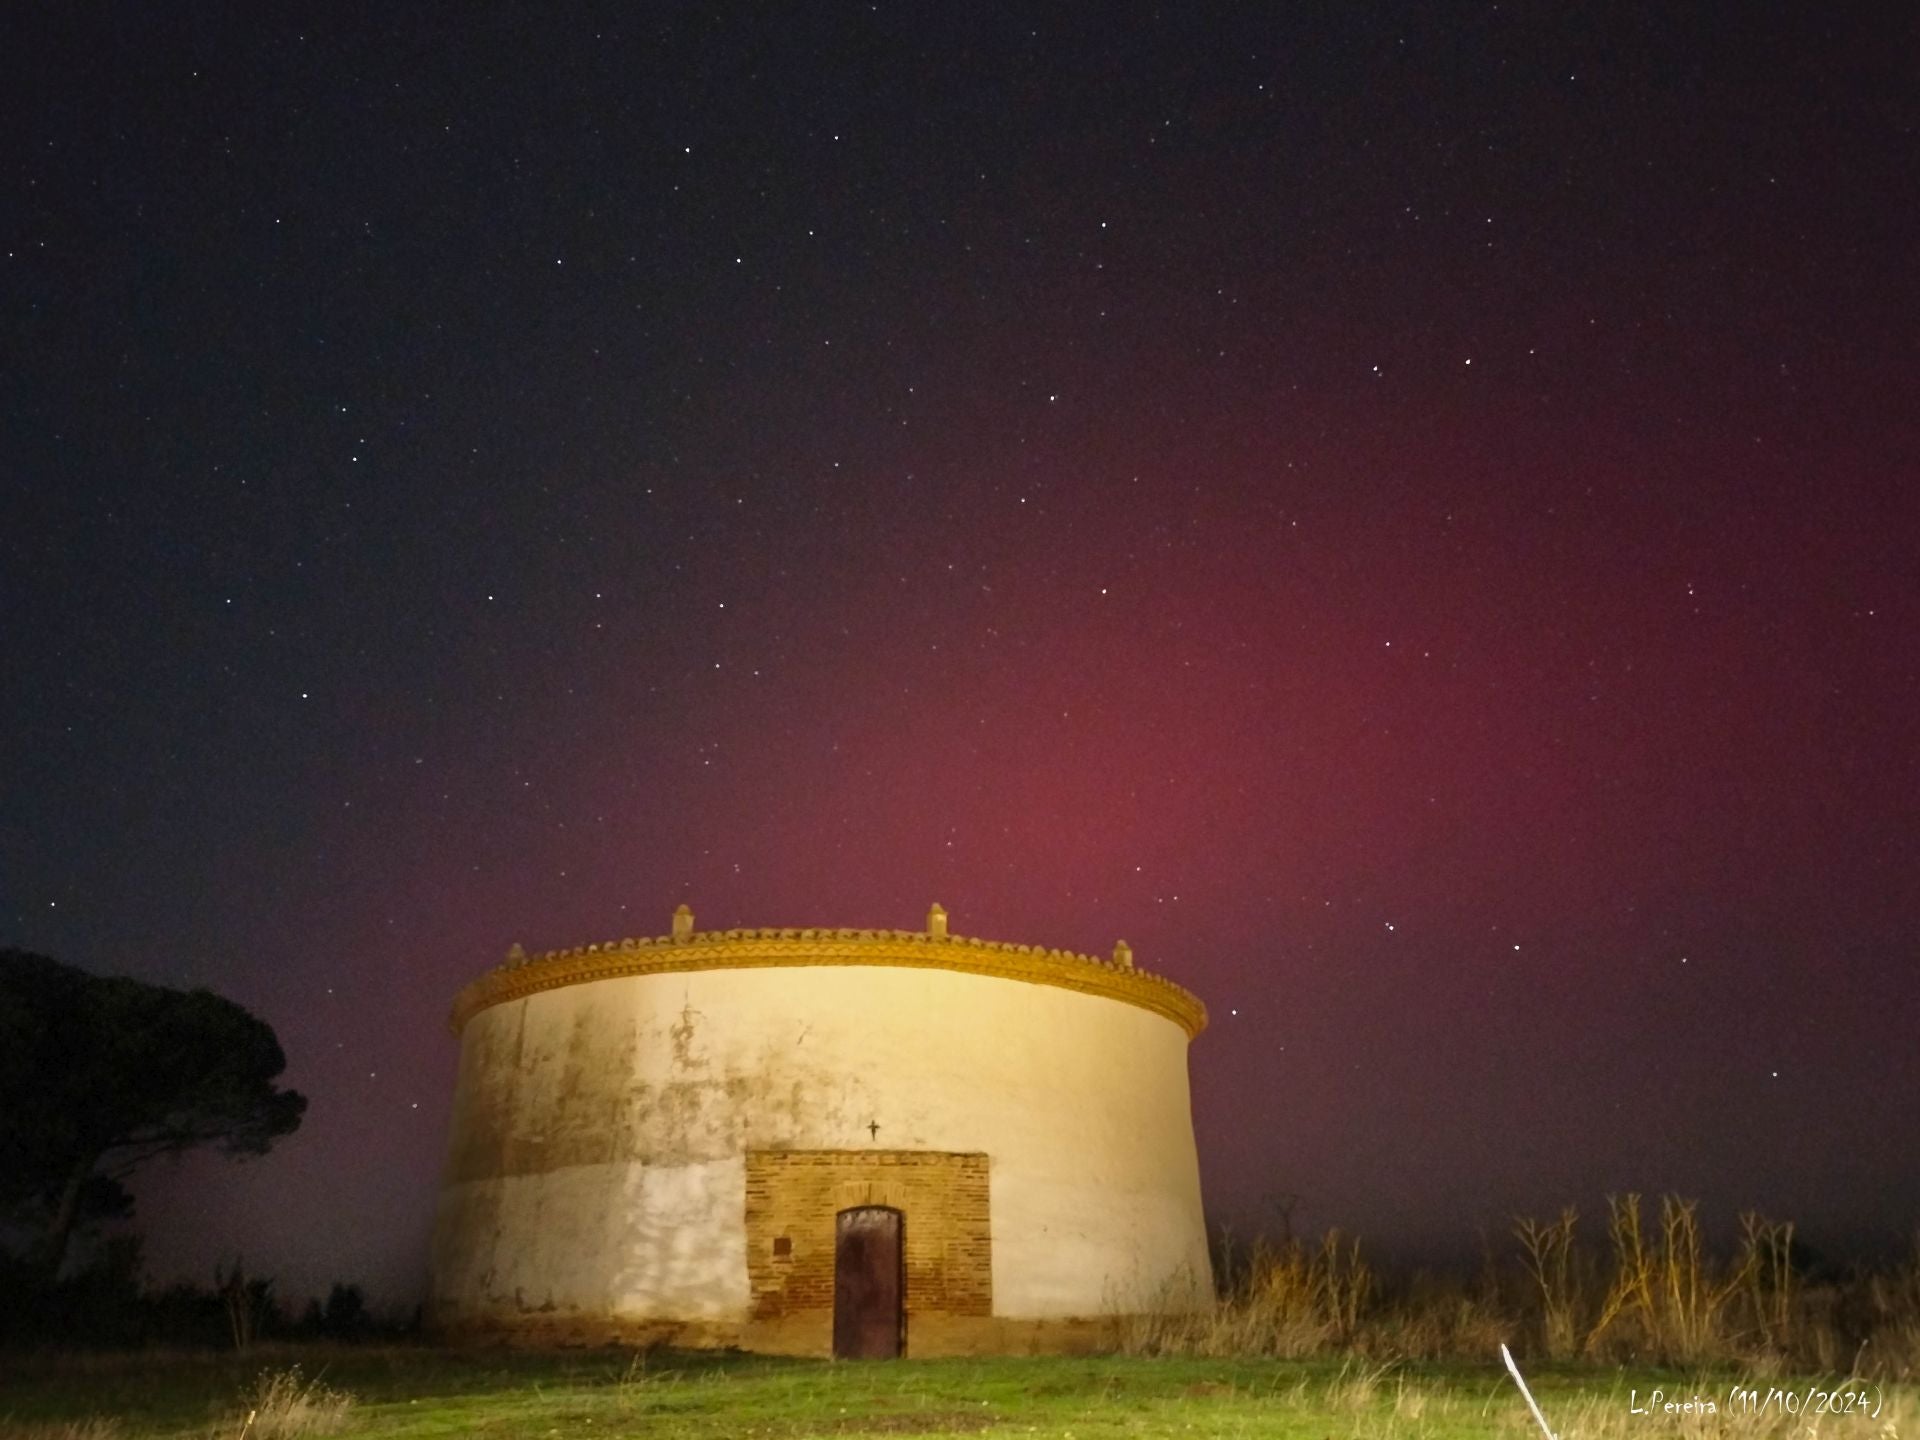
(425, 1392)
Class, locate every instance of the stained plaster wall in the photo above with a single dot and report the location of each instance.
(596, 1167)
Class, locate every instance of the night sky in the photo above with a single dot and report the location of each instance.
(1406, 514)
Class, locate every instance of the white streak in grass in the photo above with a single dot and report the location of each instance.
(1514, 1370)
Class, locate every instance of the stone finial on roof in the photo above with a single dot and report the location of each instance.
(683, 923)
(937, 922)
(1123, 955)
(515, 954)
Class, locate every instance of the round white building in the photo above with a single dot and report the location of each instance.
(856, 1142)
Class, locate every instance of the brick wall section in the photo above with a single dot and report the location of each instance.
(797, 1193)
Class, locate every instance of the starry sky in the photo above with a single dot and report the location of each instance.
(1405, 513)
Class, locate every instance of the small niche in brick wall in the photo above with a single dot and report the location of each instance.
(782, 1246)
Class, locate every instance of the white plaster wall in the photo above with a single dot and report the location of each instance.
(596, 1165)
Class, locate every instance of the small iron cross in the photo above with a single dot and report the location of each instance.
(873, 1129)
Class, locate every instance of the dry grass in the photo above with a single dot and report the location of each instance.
(1295, 1302)
(1667, 1300)
(285, 1404)
(1653, 1296)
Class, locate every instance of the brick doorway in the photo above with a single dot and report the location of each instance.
(793, 1202)
(869, 1313)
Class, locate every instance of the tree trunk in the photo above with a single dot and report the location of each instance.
(53, 1244)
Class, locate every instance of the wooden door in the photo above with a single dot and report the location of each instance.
(869, 1284)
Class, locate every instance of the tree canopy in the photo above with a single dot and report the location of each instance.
(99, 1074)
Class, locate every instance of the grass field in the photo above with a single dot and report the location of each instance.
(405, 1392)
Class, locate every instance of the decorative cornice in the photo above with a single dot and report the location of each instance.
(524, 974)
